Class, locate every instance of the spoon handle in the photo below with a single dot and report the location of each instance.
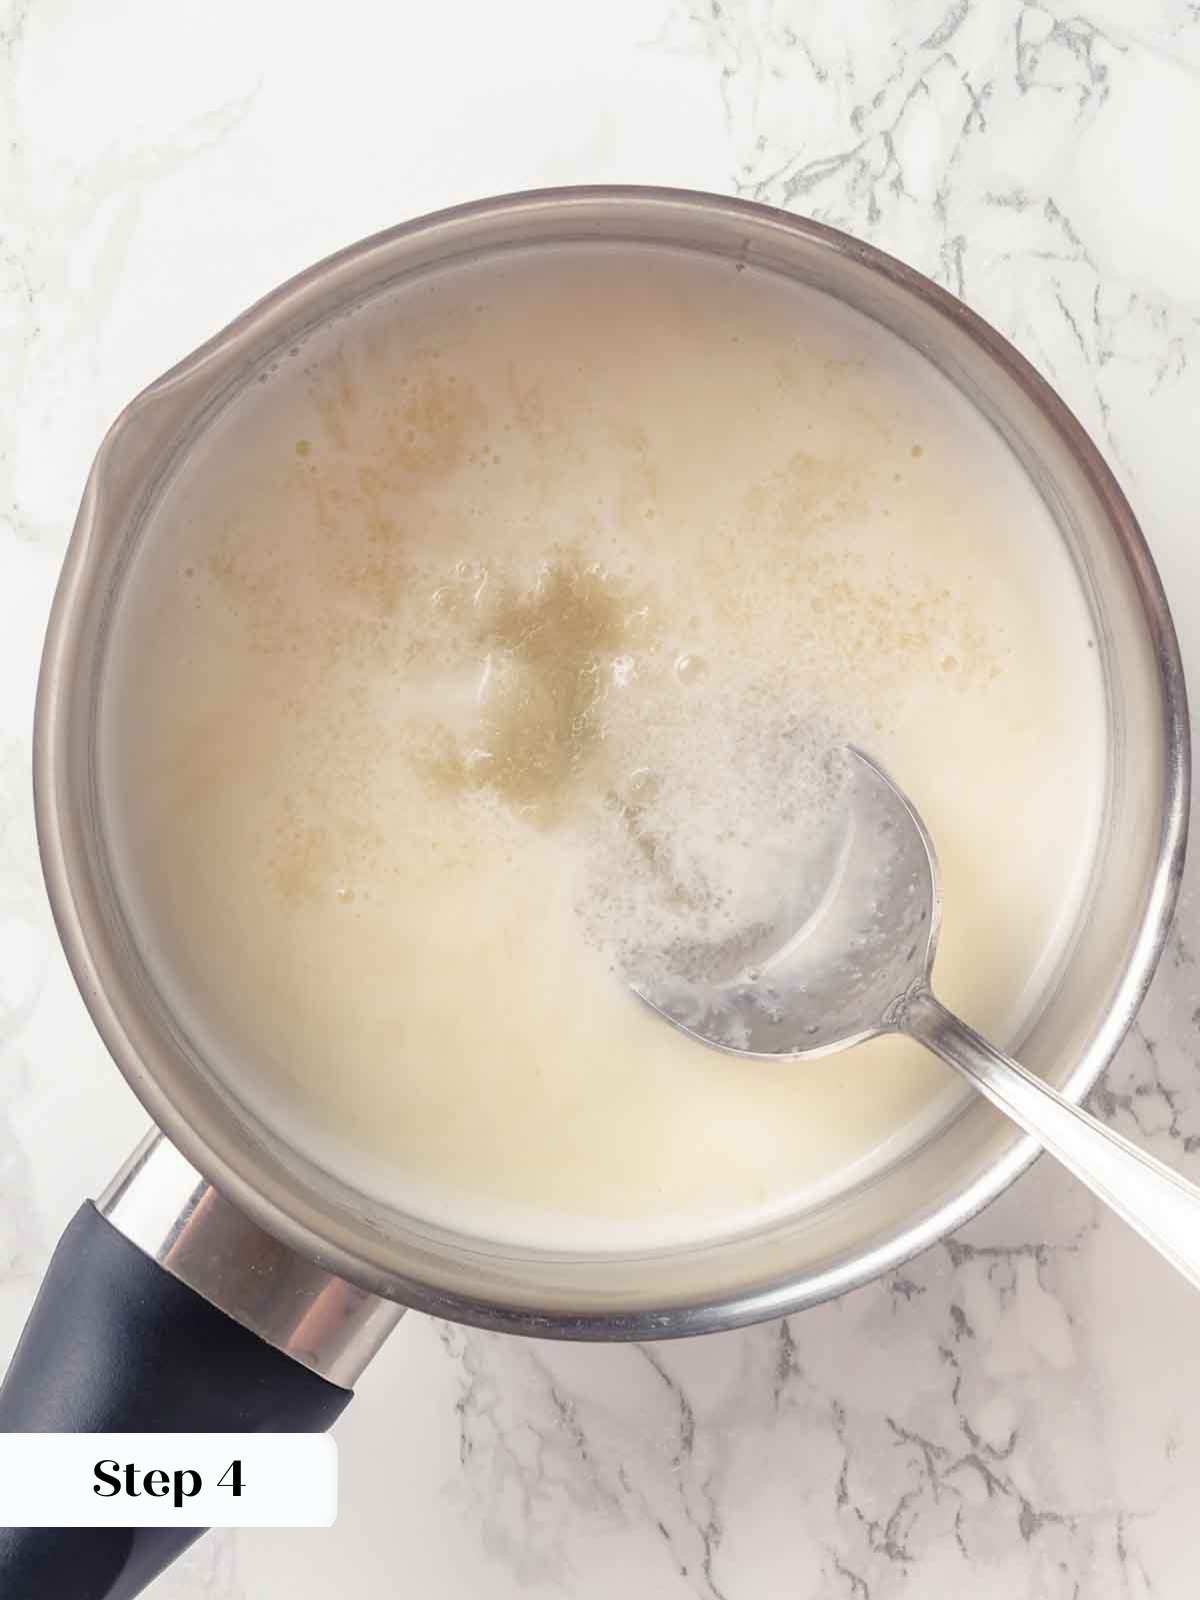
(1158, 1203)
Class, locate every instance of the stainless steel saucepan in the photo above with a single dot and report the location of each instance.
(225, 1281)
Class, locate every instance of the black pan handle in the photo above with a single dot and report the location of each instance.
(117, 1343)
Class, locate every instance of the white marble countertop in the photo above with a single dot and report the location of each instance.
(1017, 1413)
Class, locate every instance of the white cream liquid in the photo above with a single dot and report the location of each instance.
(498, 638)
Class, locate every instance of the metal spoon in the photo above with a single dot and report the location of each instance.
(860, 966)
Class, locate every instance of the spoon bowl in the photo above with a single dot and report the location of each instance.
(837, 979)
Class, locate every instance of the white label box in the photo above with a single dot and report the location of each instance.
(162, 1480)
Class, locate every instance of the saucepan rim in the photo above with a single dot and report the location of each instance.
(233, 1171)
